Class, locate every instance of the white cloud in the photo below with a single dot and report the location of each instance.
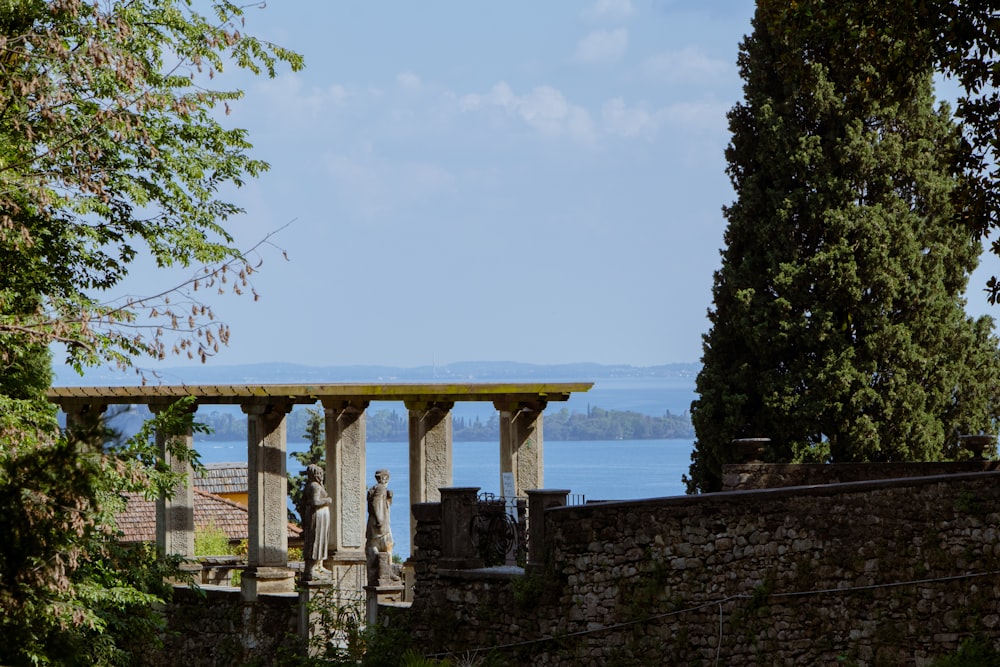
(699, 116)
(602, 46)
(689, 66)
(544, 109)
(628, 122)
(694, 117)
(421, 180)
(608, 10)
(289, 96)
(408, 80)
(374, 186)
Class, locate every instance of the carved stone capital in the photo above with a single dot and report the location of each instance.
(262, 407)
(338, 406)
(427, 406)
(518, 406)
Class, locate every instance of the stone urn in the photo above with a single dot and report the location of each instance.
(750, 450)
(977, 444)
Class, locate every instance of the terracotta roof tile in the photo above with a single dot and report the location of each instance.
(223, 478)
(138, 521)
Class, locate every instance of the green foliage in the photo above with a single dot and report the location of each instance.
(970, 503)
(412, 658)
(72, 594)
(536, 587)
(316, 454)
(344, 641)
(600, 424)
(972, 653)
(340, 615)
(838, 327)
(386, 644)
(211, 540)
(110, 148)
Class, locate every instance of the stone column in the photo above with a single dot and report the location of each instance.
(267, 548)
(430, 452)
(84, 420)
(540, 500)
(459, 506)
(521, 443)
(345, 483)
(175, 515)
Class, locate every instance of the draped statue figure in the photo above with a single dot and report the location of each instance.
(378, 534)
(316, 524)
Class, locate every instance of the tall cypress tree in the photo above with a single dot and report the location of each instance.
(838, 327)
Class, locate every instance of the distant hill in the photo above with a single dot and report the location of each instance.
(465, 371)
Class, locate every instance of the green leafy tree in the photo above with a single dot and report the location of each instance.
(838, 327)
(316, 454)
(960, 40)
(111, 147)
(71, 593)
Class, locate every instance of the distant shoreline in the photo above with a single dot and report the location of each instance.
(465, 371)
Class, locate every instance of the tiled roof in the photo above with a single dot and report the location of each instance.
(223, 478)
(138, 521)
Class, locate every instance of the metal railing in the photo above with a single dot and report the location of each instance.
(499, 530)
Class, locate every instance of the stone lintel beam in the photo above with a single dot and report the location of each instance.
(77, 406)
(346, 443)
(522, 443)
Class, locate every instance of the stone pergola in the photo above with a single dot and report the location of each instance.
(520, 407)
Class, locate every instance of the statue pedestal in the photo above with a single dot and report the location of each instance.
(377, 595)
(383, 572)
(310, 619)
(261, 580)
(190, 570)
(348, 569)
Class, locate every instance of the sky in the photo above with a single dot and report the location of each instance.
(539, 182)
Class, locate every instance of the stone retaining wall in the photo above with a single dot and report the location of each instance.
(889, 572)
(216, 628)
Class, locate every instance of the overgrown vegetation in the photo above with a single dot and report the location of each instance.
(974, 652)
(71, 593)
(110, 149)
(315, 435)
(211, 540)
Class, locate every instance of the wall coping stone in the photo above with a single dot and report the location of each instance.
(500, 572)
(780, 493)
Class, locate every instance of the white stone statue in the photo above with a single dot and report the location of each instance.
(316, 524)
(378, 534)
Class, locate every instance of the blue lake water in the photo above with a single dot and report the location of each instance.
(597, 469)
